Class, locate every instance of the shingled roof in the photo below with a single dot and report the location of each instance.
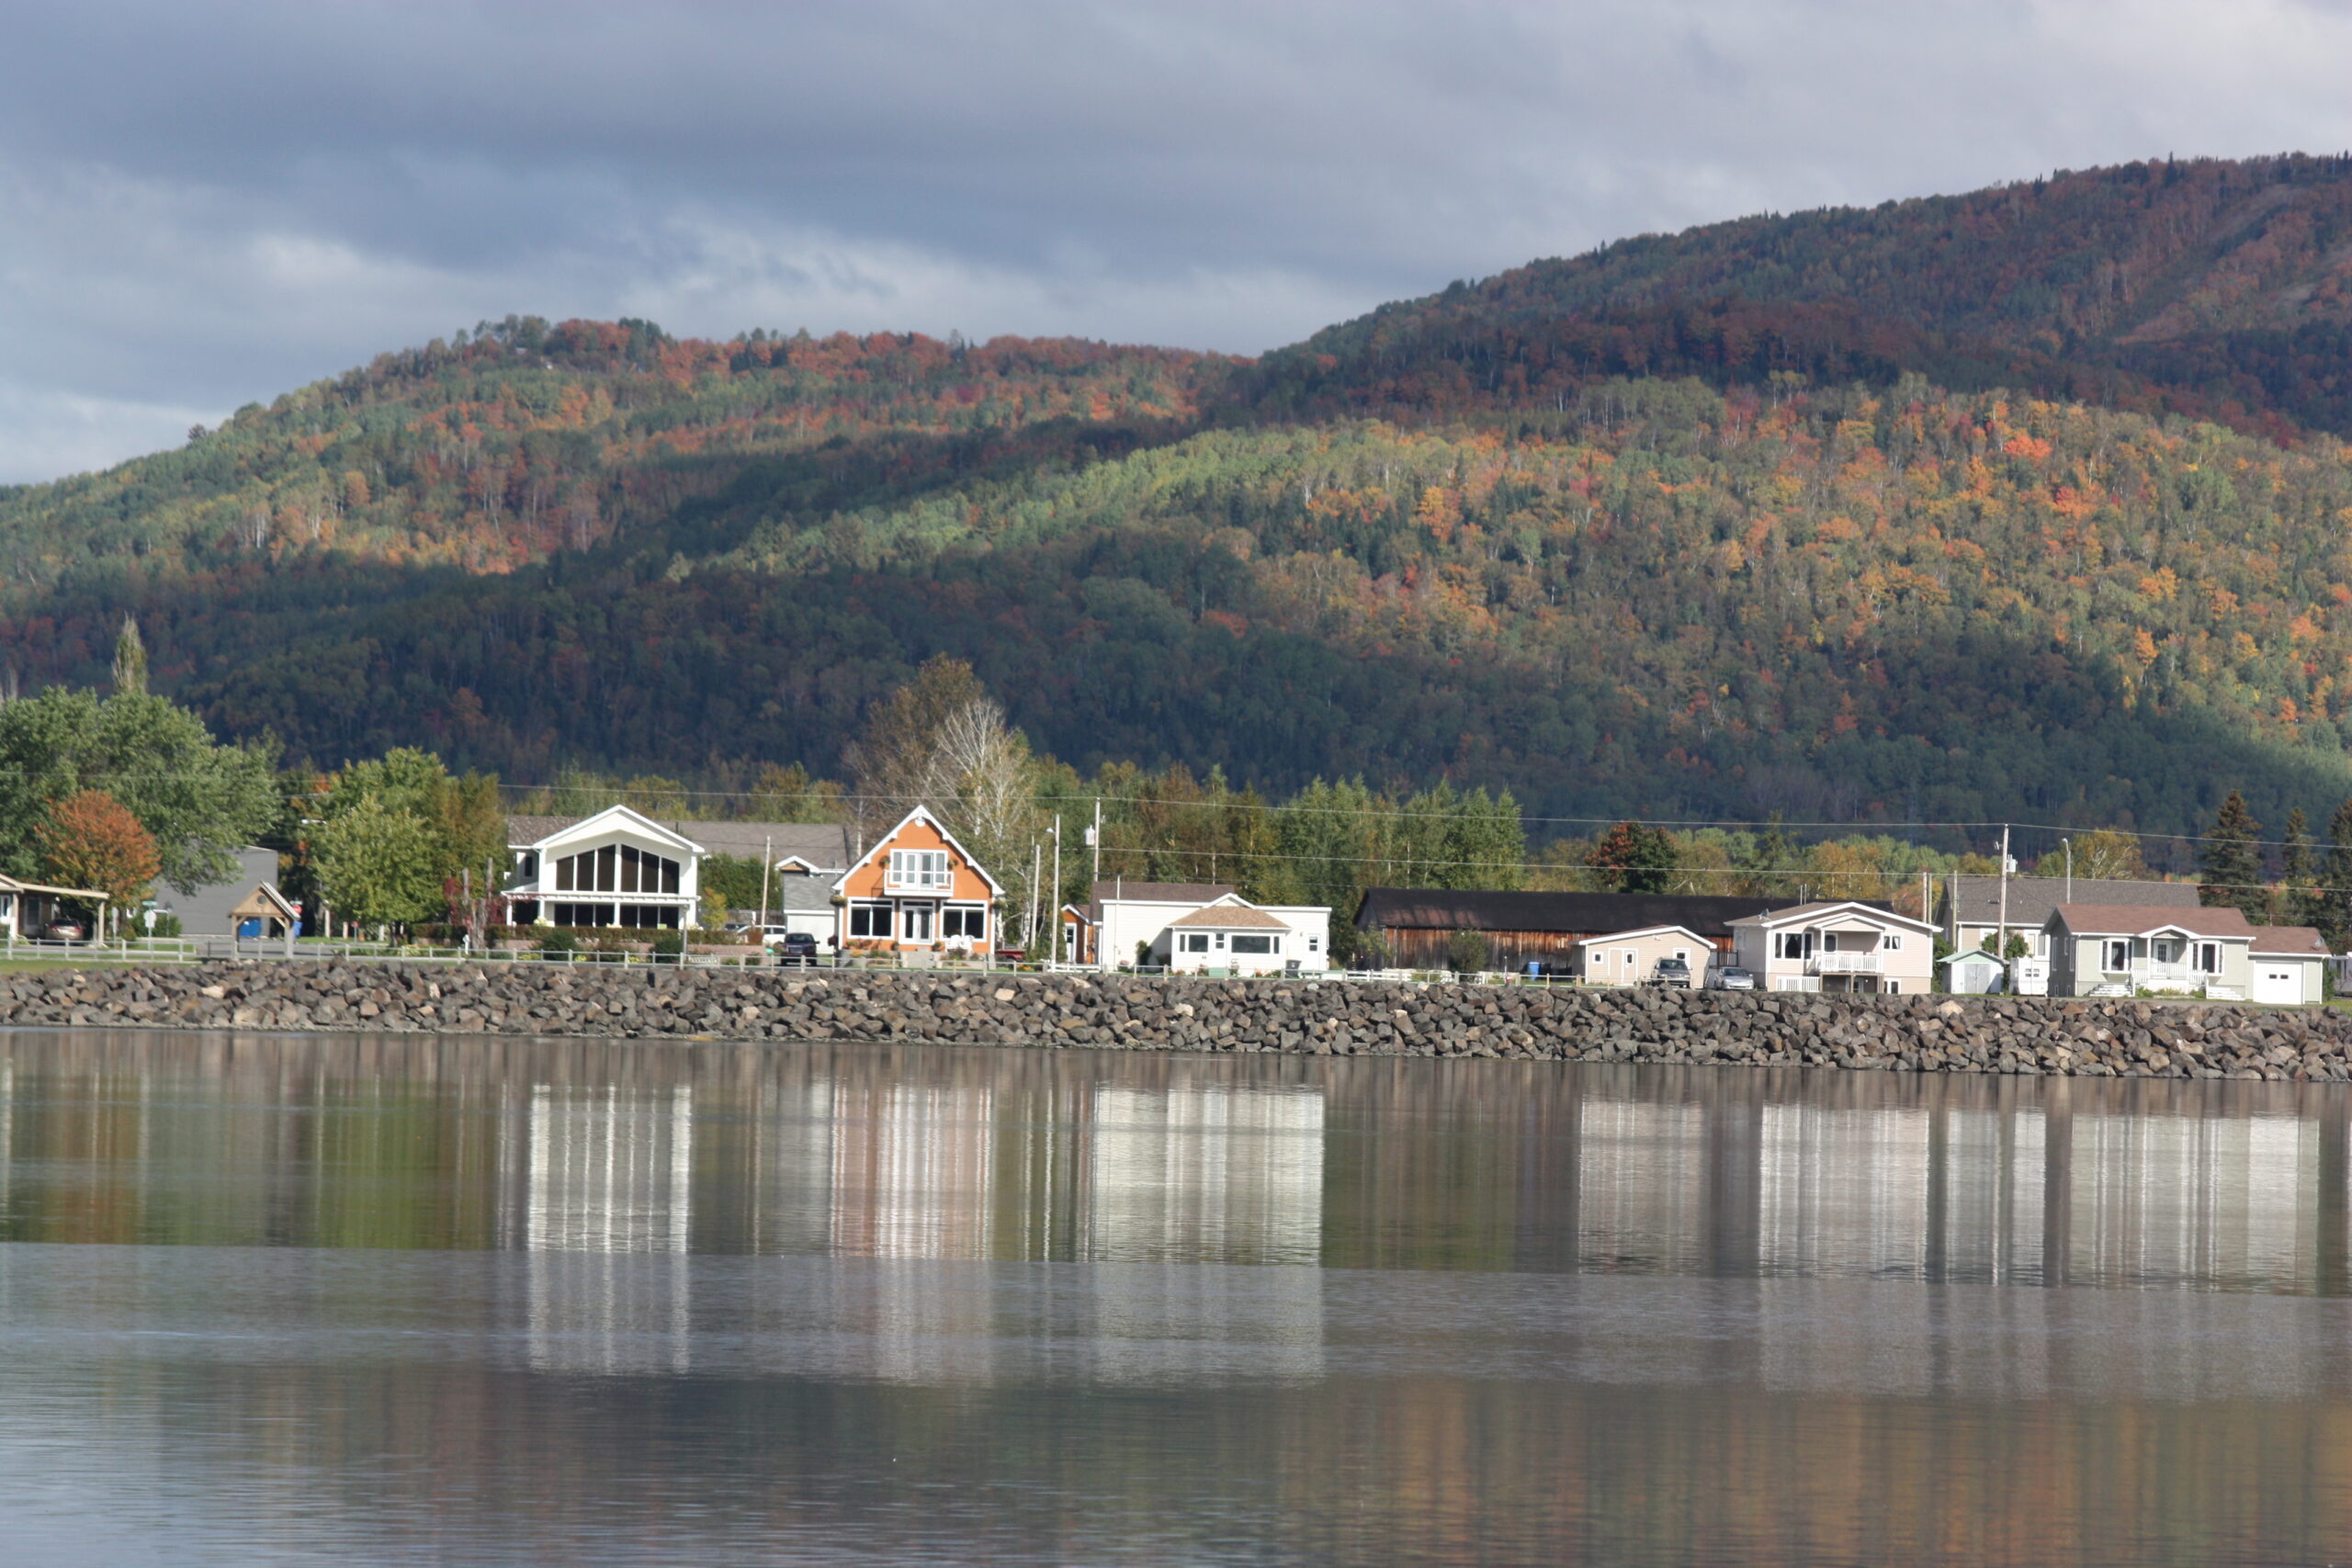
(1978, 898)
(824, 845)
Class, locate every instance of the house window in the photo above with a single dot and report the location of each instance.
(1193, 942)
(869, 921)
(1315, 944)
(1793, 944)
(1891, 943)
(920, 871)
(915, 922)
(1253, 943)
(2209, 958)
(1628, 958)
(2118, 959)
(527, 863)
(616, 868)
(969, 923)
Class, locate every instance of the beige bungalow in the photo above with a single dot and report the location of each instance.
(1630, 958)
(2108, 950)
(1837, 947)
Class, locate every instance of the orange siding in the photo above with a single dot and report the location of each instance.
(865, 881)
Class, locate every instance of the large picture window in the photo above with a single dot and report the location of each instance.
(616, 868)
(1253, 943)
(869, 921)
(971, 925)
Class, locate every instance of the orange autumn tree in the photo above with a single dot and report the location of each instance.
(91, 841)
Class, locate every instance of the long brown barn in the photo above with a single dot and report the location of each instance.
(1415, 923)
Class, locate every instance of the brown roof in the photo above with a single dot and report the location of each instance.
(2290, 941)
(2033, 898)
(1822, 906)
(2131, 919)
(1231, 917)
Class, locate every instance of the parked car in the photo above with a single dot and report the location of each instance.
(1732, 978)
(796, 947)
(62, 930)
(1671, 972)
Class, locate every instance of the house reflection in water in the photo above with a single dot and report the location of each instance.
(1194, 1190)
(606, 1210)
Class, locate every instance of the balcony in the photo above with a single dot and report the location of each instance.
(1842, 963)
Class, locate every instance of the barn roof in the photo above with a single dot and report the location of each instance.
(1569, 914)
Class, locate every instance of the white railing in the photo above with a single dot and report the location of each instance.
(1796, 982)
(1842, 963)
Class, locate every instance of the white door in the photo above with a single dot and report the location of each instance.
(2277, 983)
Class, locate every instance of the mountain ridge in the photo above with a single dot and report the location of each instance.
(1854, 551)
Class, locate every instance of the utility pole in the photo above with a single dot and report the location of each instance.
(1095, 838)
(767, 865)
(2068, 844)
(1056, 909)
(2001, 941)
(1036, 875)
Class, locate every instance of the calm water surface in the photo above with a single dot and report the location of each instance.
(274, 1300)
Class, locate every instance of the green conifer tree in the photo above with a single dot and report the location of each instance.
(2231, 862)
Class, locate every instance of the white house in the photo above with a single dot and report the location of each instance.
(1237, 937)
(1630, 958)
(1129, 922)
(617, 868)
(1837, 947)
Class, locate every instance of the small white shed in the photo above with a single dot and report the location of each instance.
(1975, 973)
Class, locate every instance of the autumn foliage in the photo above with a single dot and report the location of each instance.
(90, 841)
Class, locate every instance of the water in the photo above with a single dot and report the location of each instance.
(274, 1300)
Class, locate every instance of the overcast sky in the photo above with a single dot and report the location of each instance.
(207, 204)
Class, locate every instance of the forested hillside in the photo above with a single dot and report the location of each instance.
(1955, 510)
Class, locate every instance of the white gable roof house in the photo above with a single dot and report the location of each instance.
(617, 869)
(1231, 935)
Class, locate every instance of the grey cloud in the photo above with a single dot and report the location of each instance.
(200, 204)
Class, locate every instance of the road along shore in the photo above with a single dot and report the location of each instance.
(1971, 1034)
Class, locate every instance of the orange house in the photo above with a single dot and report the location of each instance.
(917, 889)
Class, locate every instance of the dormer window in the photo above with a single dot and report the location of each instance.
(919, 871)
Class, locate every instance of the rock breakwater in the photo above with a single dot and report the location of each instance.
(2121, 1038)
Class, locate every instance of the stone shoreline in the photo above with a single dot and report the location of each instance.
(2125, 1039)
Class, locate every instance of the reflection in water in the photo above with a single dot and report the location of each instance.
(608, 1178)
(404, 1300)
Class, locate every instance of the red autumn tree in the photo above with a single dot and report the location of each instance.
(91, 841)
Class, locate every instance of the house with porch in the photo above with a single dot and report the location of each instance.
(916, 890)
(2110, 950)
(1849, 947)
(1971, 909)
(615, 870)
(29, 909)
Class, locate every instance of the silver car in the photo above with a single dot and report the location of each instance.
(1732, 979)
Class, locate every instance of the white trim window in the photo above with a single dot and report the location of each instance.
(968, 922)
(919, 871)
(869, 923)
(2115, 956)
(1191, 941)
(1253, 942)
(1891, 943)
(2208, 957)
